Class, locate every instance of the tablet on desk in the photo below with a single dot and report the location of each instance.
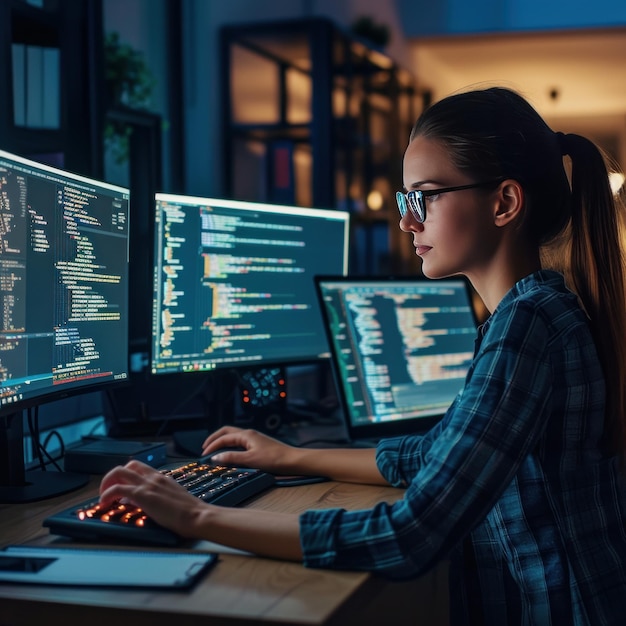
(103, 568)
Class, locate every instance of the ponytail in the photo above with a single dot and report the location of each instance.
(597, 272)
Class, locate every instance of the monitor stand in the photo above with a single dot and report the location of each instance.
(190, 442)
(18, 485)
(40, 485)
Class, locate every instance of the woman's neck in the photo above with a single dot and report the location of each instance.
(494, 282)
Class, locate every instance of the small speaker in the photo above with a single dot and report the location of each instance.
(261, 400)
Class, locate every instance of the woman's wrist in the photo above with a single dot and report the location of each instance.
(291, 461)
(200, 522)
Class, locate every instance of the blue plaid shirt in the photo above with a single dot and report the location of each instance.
(512, 485)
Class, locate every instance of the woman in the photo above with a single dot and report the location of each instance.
(520, 483)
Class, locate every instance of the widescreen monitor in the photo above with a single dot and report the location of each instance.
(64, 301)
(234, 282)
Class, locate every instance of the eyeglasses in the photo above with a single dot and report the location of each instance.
(416, 198)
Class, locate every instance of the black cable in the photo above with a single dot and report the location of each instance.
(297, 481)
(44, 446)
(33, 428)
(39, 448)
(112, 406)
(345, 442)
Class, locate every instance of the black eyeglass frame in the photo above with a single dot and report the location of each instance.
(415, 200)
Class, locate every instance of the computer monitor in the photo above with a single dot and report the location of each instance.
(64, 303)
(234, 282)
(401, 349)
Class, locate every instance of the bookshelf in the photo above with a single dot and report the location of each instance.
(315, 116)
(51, 67)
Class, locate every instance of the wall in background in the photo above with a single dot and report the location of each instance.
(447, 17)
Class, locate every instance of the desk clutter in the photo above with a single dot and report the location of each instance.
(215, 484)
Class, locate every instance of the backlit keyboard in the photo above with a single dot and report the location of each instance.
(216, 484)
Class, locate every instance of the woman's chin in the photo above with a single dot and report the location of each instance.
(434, 273)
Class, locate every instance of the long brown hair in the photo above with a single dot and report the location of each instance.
(495, 133)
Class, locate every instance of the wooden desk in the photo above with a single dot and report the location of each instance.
(239, 589)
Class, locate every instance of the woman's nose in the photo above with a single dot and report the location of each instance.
(408, 223)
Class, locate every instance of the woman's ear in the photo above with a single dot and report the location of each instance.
(510, 202)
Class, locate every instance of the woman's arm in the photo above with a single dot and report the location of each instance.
(357, 465)
(265, 533)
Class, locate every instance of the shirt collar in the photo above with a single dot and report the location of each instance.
(540, 278)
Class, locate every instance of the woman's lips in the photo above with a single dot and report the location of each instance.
(421, 249)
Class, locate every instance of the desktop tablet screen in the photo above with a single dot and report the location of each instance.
(401, 348)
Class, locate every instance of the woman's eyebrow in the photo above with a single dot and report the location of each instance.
(419, 183)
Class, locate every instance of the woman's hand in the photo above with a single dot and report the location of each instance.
(356, 465)
(167, 503)
(159, 496)
(257, 450)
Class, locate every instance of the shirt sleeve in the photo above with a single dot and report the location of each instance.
(400, 458)
(458, 472)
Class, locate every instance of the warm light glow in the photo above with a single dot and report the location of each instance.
(375, 200)
(616, 179)
(381, 59)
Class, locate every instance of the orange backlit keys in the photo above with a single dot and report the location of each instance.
(119, 512)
